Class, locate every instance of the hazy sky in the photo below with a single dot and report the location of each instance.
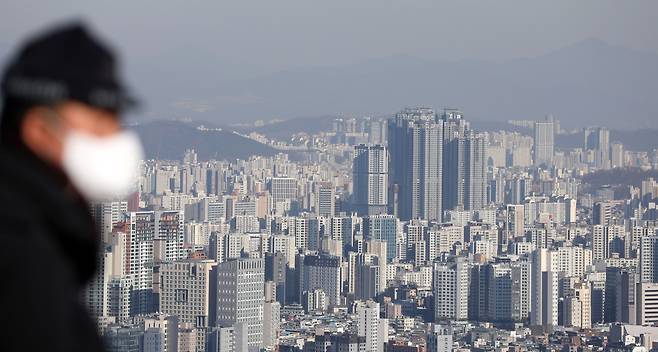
(250, 38)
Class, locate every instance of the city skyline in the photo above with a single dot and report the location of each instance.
(511, 238)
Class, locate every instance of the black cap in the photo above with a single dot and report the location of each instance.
(66, 63)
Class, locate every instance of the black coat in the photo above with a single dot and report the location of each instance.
(48, 249)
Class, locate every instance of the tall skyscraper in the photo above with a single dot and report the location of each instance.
(155, 237)
(455, 130)
(544, 283)
(286, 245)
(602, 238)
(577, 306)
(544, 149)
(370, 170)
(647, 305)
(602, 213)
(271, 323)
(371, 326)
(187, 291)
(617, 155)
(344, 227)
(283, 191)
(325, 199)
(521, 290)
(464, 164)
(620, 286)
(306, 230)
(106, 214)
(475, 172)
(370, 270)
(516, 190)
(500, 292)
(514, 221)
(240, 296)
(416, 171)
(382, 228)
(451, 289)
(322, 272)
(649, 259)
(276, 267)
(597, 140)
(437, 163)
(97, 293)
(119, 292)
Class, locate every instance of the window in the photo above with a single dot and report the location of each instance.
(181, 295)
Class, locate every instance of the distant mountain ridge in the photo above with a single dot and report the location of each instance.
(587, 83)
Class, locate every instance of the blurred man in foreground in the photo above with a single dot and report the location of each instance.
(61, 146)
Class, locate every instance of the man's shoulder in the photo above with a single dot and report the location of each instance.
(18, 214)
(13, 180)
(15, 207)
(22, 198)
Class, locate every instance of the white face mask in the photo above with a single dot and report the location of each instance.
(102, 168)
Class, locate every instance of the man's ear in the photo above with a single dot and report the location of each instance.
(39, 135)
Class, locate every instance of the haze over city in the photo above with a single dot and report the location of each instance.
(586, 62)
